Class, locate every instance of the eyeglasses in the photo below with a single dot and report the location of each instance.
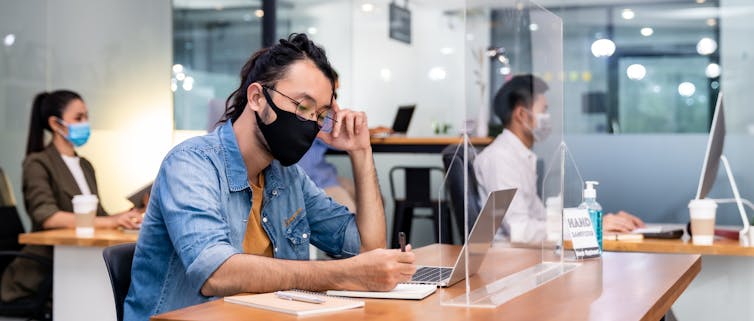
(325, 118)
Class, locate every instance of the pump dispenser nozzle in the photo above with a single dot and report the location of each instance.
(589, 191)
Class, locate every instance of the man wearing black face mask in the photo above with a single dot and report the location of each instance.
(229, 214)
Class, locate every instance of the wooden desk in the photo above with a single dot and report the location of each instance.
(721, 246)
(618, 287)
(404, 144)
(722, 291)
(81, 286)
(102, 237)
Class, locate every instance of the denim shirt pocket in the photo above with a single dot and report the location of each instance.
(298, 234)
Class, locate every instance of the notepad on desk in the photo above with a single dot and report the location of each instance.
(402, 291)
(270, 301)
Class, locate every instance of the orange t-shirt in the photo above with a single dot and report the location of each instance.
(255, 240)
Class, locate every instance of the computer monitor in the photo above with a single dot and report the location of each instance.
(403, 119)
(714, 151)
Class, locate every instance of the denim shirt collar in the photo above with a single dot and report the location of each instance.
(238, 176)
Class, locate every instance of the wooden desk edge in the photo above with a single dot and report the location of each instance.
(68, 238)
(403, 140)
(663, 305)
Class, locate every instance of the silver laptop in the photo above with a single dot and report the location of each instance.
(480, 241)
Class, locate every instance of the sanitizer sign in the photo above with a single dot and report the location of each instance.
(582, 232)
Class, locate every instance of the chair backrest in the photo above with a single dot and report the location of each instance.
(118, 260)
(452, 159)
(10, 222)
(6, 191)
(417, 183)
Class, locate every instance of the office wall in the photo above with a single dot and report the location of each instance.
(388, 73)
(117, 55)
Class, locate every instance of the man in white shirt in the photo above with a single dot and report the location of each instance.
(509, 161)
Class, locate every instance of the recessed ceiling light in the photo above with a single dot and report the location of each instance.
(628, 14)
(367, 7)
(646, 31)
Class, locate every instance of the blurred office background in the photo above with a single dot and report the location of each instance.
(640, 81)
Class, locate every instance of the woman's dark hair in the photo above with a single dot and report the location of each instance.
(270, 64)
(520, 90)
(46, 105)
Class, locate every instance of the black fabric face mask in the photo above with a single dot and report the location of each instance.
(288, 136)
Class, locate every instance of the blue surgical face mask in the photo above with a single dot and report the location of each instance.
(78, 133)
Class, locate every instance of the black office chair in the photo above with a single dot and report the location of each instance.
(417, 187)
(35, 307)
(118, 259)
(452, 159)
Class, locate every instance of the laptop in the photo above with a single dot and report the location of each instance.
(403, 119)
(480, 240)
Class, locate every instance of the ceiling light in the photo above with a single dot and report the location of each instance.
(533, 27)
(628, 14)
(712, 70)
(9, 39)
(367, 7)
(646, 31)
(706, 46)
(259, 13)
(386, 74)
(311, 30)
(603, 48)
(177, 68)
(686, 89)
(446, 51)
(712, 22)
(437, 73)
(636, 72)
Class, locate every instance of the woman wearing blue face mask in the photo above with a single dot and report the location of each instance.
(52, 175)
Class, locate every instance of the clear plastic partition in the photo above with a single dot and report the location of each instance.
(514, 190)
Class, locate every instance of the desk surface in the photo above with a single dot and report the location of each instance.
(440, 140)
(406, 144)
(621, 286)
(102, 237)
(721, 246)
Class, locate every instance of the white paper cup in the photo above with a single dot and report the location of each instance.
(702, 214)
(85, 208)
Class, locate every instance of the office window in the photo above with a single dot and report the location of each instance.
(211, 42)
(633, 67)
(630, 66)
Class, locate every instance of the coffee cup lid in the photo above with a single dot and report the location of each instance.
(702, 203)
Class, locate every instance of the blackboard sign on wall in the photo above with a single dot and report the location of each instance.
(400, 23)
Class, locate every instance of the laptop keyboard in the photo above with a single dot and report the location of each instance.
(431, 274)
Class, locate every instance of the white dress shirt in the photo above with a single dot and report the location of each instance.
(508, 163)
(74, 165)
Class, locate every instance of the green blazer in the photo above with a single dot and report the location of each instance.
(48, 187)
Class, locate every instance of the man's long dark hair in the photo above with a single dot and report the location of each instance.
(268, 65)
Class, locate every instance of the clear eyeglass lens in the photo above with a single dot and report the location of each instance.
(325, 120)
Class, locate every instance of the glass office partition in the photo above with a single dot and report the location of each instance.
(512, 44)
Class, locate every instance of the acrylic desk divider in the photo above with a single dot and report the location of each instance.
(499, 265)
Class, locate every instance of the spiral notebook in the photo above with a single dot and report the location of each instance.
(403, 291)
(269, 301)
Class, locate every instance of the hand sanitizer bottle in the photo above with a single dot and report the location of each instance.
(594, 208)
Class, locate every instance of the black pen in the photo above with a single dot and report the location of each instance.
(402, 241)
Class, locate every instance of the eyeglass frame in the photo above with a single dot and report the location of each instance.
(328, 109)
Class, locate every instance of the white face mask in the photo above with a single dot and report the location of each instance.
(543, 127)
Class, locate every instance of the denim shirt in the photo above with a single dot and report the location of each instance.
(197, 218)
(320, 171)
